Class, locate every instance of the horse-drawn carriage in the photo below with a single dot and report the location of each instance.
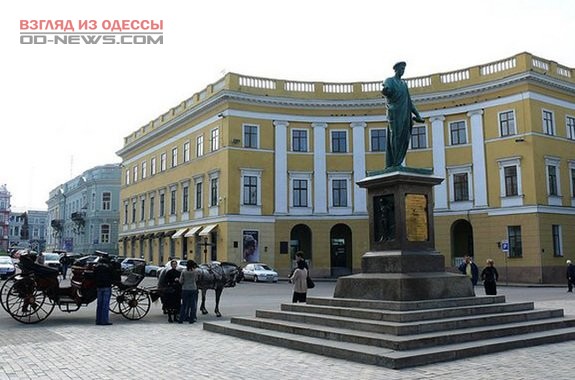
(31, 296)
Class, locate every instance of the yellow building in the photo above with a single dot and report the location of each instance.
(265, 167)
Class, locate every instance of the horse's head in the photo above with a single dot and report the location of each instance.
(232, 272)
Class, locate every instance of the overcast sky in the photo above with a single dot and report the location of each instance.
(66, 108)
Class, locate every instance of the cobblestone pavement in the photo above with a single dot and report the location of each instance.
(70, 346)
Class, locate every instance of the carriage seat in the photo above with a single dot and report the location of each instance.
(132, 280)
(39, 269)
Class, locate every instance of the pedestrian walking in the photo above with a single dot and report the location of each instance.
(188, 280)
(489, 276)
(104, 275)
(299, 280)
(570, 276)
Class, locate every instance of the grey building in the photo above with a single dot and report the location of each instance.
(83, 212)
(28, 230)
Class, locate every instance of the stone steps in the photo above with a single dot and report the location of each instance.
(398, 336)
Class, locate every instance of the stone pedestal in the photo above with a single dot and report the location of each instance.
(402, 264)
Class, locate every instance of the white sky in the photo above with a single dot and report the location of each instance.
(66, 108)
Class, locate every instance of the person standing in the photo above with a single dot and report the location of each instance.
(64, 262)
(400, 109)
(470, 269)
(188, 280)
(299, 280)
(41, 259)
(172, 292)
(104, 276)
(570, 276)
(489, 276)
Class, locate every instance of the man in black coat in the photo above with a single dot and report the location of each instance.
(104, 275)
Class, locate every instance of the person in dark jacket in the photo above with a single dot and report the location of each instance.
(470, 269)
(489, 276)
(570, 276)
(104, 275)
(172, 292)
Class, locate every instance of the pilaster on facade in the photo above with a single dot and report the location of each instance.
(319, 169)
(281, 172)
(438, 141)
(478, 158)
(359, 172)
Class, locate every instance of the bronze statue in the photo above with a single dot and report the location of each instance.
(399, 111)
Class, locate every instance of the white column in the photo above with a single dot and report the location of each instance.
(478, 157)
(438, 141)
(359, 194)
(281, 180)
(319, 169)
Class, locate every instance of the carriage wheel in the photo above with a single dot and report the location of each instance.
(26, 303)
(4, 290)
(135, 303)
(115, 300)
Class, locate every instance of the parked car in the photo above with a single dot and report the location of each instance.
(7, 267)
(131, 262)
(52, 260)
(181, 264)
(152, 270)
(260, 272)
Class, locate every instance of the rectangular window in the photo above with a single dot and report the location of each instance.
(173, 202)
(573, 182)
(460, 187)
(144, 169)
(163, 162)
(186, 152)
(142, 209)
(153, 166)
(378, 139)
(105, 233)
(126, 213)
(515, 245)
(106, 200)
(213, 192)
(338, 141)
(185, 199)
(552, 179)
(557, 246)
(300, 193)
(250, 190)
(457, 131)
(548, 126)
(507, 123)
(128, 177)
(570, 125)
(162, 204)
(152, 205)
(510, 173)
(339, 192)
(174, 157)
(214, 139)
(135, 171)
(299, 140)
(134, 211)
(418, 137)
(199, 146)
(198, 195)
(250, 136)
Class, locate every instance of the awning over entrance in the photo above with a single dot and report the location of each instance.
(193, 231)
(207, 229)
(179, 233)
(169, 233)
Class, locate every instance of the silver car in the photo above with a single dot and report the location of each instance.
(260, 272)
(7, 268)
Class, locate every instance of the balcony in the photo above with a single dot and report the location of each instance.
(57, 224)
(79, 218)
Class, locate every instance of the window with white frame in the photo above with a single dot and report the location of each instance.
(173, 201)
(300, 194)
(548, 124)
(126, 212)
(419, 137)
(214, 139)
(570, 126)
(458, 133)
(250, 136)
(507, 123)
(200, 146)
(142, 209)
(106, 200)
(251, 187)
(105, 233)
(460, 187)
(128, 177)
(214, 181)
(153, 166)
(557, 240)
(174, 157)
(135, 172)
(511, 190)
(339, 192)
(152, 206)
(510, 173)
(185, 198)
(187, 151)
(144, 169)
(134, 210)
(162, 208)
(163, 162)
(378, 139)
(198, 185)
(553, 180)
(299, 140)
(572, 173)
(339, 141)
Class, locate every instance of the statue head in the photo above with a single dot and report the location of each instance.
(399, 65)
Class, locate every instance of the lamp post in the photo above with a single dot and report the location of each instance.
(206, 244)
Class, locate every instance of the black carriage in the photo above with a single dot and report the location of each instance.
(31, 296)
